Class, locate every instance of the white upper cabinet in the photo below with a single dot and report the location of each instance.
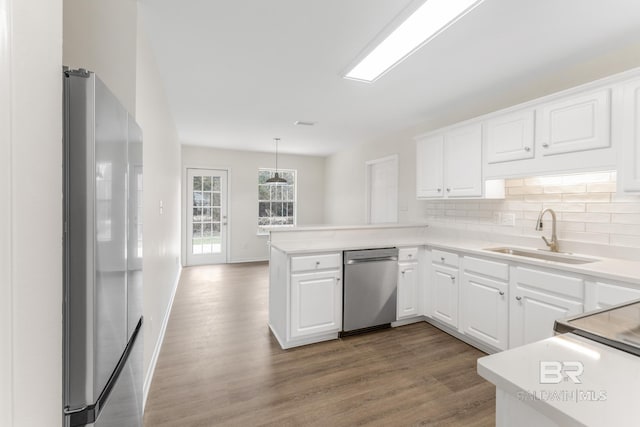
(429, 167)
(576, 123)
(629, 164)
(463, 161)
(510, 137)
(449, 164)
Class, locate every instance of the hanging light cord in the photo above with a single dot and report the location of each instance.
(277, 140)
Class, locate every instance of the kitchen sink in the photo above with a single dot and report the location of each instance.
(540, 254)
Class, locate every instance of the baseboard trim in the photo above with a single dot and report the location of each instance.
(156, 351)
(465, 338)
(409, 321)
(243, 260)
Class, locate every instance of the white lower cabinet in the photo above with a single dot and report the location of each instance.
(604, 295)
(485, 310)
(316, 303)
(444, 282)
(537, 300)
(408, 296)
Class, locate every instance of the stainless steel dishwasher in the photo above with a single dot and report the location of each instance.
(370, 281)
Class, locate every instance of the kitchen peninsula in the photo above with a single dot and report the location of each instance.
(305, 275)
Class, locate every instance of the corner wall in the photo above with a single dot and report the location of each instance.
(245, 244)
(34, 207)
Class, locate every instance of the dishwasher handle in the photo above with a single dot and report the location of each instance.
(379, 259)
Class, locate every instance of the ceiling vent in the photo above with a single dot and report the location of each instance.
(301, 123)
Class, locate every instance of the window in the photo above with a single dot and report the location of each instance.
(276, 202)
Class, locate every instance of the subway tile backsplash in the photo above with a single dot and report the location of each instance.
(588, 208)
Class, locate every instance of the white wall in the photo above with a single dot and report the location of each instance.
(245, 244)
(100, 36)
(161, 182)
(6, 315)
(345, 204)
(345, 174)
(32, 189)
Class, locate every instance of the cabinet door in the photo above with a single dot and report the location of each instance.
(510, 137)
(578, 123)
(316, 303)
(484, 313)
(429, 167)
(463, 162)
(444, 281)
(604, 295)
(533, 314)
(630, 134)
(408, 298)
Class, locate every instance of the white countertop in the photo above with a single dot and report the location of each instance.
(327, 227)
(611, 379)
(606, 268)
(302, 247)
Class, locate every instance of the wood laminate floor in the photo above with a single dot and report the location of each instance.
(220, 365)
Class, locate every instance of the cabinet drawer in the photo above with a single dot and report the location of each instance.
(315, 262)
(439, 257)
(498, 270)
(550, 282)
(408, 254)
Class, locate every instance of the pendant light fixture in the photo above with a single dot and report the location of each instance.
(276, 179)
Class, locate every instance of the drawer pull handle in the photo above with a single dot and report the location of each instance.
(501, 293)
(448, 190)
(410, 255)
(545, 145)
(453, 279)
(402, 272)
(518, 298)
(439, 190)
(317, 262)
(442, 258)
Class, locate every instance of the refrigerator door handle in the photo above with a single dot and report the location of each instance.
(69, 411)
(89, 414)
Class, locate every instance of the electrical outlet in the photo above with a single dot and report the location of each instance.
(508, 219)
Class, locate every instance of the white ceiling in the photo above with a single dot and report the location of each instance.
(240, 72)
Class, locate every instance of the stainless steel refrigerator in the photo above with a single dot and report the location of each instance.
(102, 258)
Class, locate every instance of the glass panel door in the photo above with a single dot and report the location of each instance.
(206, 216)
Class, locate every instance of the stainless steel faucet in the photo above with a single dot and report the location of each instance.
(553, 244)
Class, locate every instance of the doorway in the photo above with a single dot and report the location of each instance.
(206, 216)
(382, 190)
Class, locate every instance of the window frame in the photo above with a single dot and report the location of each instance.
(263, 230)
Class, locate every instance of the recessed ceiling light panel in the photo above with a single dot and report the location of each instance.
(429, 20)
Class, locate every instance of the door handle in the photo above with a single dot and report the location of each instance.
(518, 298)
